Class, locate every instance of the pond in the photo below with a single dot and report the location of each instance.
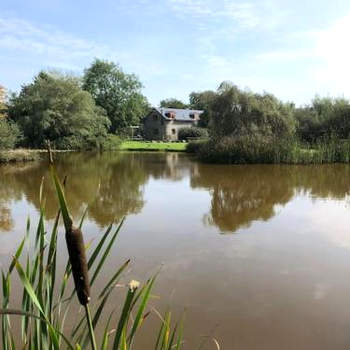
(259, 255)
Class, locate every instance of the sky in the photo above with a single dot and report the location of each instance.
(293, 49)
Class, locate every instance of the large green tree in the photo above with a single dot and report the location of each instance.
(117, 92)
(324, 118)
(54, 107)
(238, 113)
(173, 103)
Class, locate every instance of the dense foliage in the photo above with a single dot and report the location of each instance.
(193, 132)
(54, 107)
(324, 118)
(239, 113)
(118, 93)
(173, 103)
(9, 134)
(246, 127)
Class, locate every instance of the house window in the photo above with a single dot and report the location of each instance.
(170, 115)
(155, 131)
(173, 131)
(193, 116)
(155, 117)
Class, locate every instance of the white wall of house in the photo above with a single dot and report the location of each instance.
(172, 129)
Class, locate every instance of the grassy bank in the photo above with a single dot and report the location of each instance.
(153, 146)
(18, 155)
(23, 155)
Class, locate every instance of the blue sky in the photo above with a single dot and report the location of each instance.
(294, 49)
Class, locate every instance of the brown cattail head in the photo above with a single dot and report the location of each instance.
(77, 258)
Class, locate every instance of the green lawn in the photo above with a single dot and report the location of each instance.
(153, 146)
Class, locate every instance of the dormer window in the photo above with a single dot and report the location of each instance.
(170, 115)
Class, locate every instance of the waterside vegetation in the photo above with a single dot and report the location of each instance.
(47, 297)
(246, 127)
(97, 111)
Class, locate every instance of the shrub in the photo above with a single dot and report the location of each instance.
(194, 146)
(9, 134)
(195, 132)
(112, 142)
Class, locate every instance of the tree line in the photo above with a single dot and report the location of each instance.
(248, 127)
(72, 112)
(88, 111)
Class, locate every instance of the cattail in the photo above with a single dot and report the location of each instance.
(77, 258)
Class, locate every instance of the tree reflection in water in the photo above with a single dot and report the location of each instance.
(243, 194)
(112, 185)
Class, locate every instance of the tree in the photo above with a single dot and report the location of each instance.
(9, 134)
(323, 119)
(203, 101)
(173, 103)
(116, 92)
(238, 113)
(54, 107)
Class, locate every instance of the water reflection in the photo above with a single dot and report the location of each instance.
(243, 194)
(113, 185)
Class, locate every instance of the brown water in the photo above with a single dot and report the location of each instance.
(259, 255)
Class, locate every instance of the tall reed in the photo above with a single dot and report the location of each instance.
(47, 299)
(254, 149)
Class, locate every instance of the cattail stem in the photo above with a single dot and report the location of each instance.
(91, 328)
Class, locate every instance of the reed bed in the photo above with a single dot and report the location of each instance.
(253, 150)
(46, 298)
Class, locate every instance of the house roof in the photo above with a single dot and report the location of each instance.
(180, 114)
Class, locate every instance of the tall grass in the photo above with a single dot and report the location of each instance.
(252, 149)
(47, 300)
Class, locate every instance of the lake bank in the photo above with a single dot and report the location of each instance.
(153, 146)
(23, 155)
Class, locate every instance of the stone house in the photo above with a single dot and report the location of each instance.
(163, 124)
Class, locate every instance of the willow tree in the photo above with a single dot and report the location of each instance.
(239, 113)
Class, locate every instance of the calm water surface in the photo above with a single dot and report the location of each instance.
(258, 255)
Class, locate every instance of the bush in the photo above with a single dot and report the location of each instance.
(195, 132)
(9, 134)
(111, 143)
(194, 146)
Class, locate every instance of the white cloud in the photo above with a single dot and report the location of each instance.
(55, 47)
(244, 14)
(322, 55)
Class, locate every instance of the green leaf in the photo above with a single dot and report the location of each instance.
(61, 199)
(28, 287)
